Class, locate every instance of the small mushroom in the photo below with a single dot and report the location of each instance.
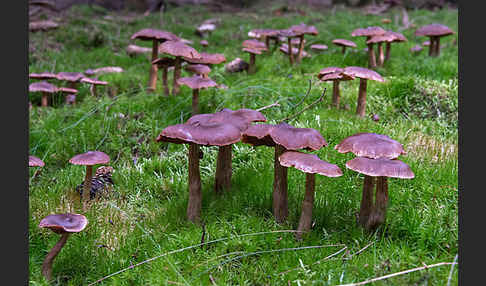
(368, 33)
(72, 78)
(204, 43)
(198, 69)
(364, 75)
(379, 40)
(434, 32)
(236, 65)
(93, 82)
(416, 49)
(205, 29)
(164, 64)
(43, 76)
(395, 38)
(289, 34)
(253, 52)
(302, 29)
(311, 165)
(35, 161)
(344, 43)
(45, 88)
(196, 83)
(335, 75)
(70, 94)
(318, 47)
(89, 159)
(63, 224)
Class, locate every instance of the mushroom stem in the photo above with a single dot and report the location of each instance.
(251, 67)
(437, 47)
(45, 99)
(371, 56)
(291, 57)
(164, 81)
(343, 50)
(267, 43)
(307, 205)
(381, 55)
(223, 169)
(152, 84)
(47, 264)
(177, 75)
(361, 108)
(378, 214)
(195, 101)
(195, 196)
(387, 51)
(335, 93)
(87, 186)
(92, 89)
(431, 46)
(280, 201)
(366, 200)
(301, 48)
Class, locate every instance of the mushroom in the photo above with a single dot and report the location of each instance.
(156, 36)
(164, 64)
(253, 52)
(196, 83)
(45, 88)
(236, 65)
(178, 50)
(282, 137)
(267, 35)
(63, 224)
(395, 38)
(71, 94)
(35, 161)
(89, 159)
(94, 83)
(318, 47)
(254, 44)
(42, 25)
(198, 69)
(434, 32)
(289, 34)
(71, 77)
(416, 49)
(311, 165)
(205, 29)
(368, 33)
(209, 134)
(379, 40)
(103, 70)
(335, 75)
(43, 76)
(344, 43)
(284, 48)
(204, 43)
(381, 168)
(302, 29)
(206, 59)
(364, 75)
(373, 146)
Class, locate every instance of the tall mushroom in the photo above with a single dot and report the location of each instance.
(45, 89)
(335, 75)
(196, 83)
(311, 165)
(198, 69)
(368, 33)
(209, 134)
(164, 64)
(89, 159)
(379, 40)
(434, 32)
(156, 36)
(178, 50)
(396, 38)
(289, 34)
(364, 75)
(303, 29)
(373, 146)
(344, 43)
(253, 52)
(282, 137)
(63, 224)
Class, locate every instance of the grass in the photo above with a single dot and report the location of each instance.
(145, 215)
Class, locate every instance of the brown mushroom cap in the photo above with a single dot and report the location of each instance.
(67, 90)
(62, 223)
(319, 47)
(35, 162)
(363, 73)
(42, 25)
(103, 70)
(368, 32)
(304, 29)
(344, 42)
(93, 81)
(309, 163)
(253, 51)
(284, 48)
(210, 134)
(205, 27)
(70, 76)
(241, 118)
(207, 59)
(264, 32)
(178, 49)
(336, 76)
(380, 167)
(151, 34)
(42, 75)
(434, 30)
(196, 82)
(164, 62)
(416, 48)
(397, 37)
(381, 38)
(43, 86)
(371, 145)
(254, 44)
(288, 33)
(90, 158)
(204, 43)
(198, 69)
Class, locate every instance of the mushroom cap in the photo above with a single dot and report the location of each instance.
(291, 138)
(62, 223)
(70, 76)
(329, 70)
(204, 43)
(67, 90)
(336, 76)
(43, 86)
(344, 42)
(380, 167)
(254, 44)
(438, 30)
(93, 81)
(198, 69)
(381, 38)
(42, 25)
(309, 163)
(397, 37)
(296, 41)
(318, 47)
(42, 75)
(35, 162)
(206, 27)
(178, 49)
(371, 145)
(103, 70)
(426, 43)
(151, 34)
(207, 59)
(210, 134)
(304, 29)
(241, 118)
(264, 32)
(196, 82)
(363, 73)
(368, 32)
(254, 51)
(284, 48)
(164, 62)
(90, 158)
(288, 33)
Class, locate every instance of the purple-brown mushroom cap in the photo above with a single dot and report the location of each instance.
(196, 82)
(62, 223)
(254, 44)
(42, 75)
(70, 76)
(371, 145)
(35, 162)
(368, 32)
(380, 167)
(210, 134)
(207, 59)
(309, 163)
(434, 30)
(344, 42)
(90, 158)
(178, 49)
(151, 34)
(43, 86)
(363, 73)
(199, 69)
